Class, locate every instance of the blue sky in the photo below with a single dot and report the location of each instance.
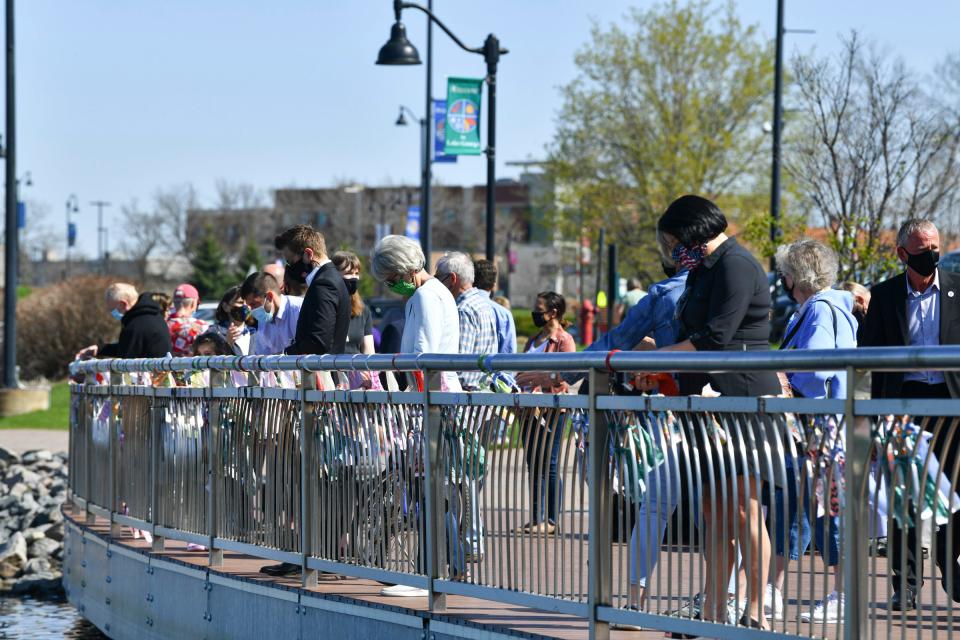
(116, 99)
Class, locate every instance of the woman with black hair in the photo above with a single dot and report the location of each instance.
(725, 307)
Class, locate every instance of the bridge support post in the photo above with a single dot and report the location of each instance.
(433, 484)
(599, 579)
(217, 380)
(114, 425)
(156, 441)
(854, 528)
(307, 479)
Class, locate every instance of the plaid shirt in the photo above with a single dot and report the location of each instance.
(478, 332)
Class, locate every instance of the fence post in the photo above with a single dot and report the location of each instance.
(87, 446)
(217, 380)
(599, 582)
(307, 455)
(854, 516)
(156, 442)
(433, 490)
(113, 448)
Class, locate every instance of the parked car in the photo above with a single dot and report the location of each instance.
(385, 309)
(951, 262)
(206, 311)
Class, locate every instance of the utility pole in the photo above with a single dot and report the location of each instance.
(12, 251)
(101, 230)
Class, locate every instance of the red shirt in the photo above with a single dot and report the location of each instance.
(183, 331)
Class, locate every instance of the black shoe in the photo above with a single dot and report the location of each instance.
(282, 569)
(954, 592)
(904, 600)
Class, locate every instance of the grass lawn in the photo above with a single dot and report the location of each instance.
(56, 417)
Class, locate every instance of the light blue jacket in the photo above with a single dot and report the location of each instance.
(654, 315)
(816, 332)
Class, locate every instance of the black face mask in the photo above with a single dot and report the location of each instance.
(299, 270)
(538, 319)
(859, 315)
(668, 270)
(352, 284)
(924, 263)
(789, 291)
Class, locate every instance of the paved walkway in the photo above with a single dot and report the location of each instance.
(21, 440)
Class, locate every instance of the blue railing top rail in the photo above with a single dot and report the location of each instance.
(943, 358)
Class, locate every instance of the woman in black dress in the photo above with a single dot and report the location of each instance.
(725, 307)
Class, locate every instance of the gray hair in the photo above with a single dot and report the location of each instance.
(121, 291)
(856, 289)
(912, 226)
(812, 265)
(458, 263)
(396, 255)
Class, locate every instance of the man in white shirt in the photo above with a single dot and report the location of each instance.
(276, 313)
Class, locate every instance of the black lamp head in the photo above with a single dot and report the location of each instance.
(401, 119)
(398, 49)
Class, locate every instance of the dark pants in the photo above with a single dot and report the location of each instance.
(544, 440)
(946, 446)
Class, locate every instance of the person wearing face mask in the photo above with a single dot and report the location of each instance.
(431, 325)
(143, 332)
(725, 306)
(276, 314)
(918, 308)
(360, 333)
(325, 313)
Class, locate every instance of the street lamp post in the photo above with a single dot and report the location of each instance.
(399, 51)
(73, 206)
(425, 243)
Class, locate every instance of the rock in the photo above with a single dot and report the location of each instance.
(46, 516)
(8, 456)
(13, 555)
(35, 566)
(19, 489)
(33, 534)
(21, 474)
(43, 548)
(55, 532)
(38, 455)
(28, 503)
(43, 584)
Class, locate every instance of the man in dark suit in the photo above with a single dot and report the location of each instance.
(920, 307)
(324, 314)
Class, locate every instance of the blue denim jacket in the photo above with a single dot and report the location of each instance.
(654, 315)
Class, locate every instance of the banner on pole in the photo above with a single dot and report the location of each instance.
(439, 132)
(463, 117)
(71, 234)
(21, 214)
(412, 230)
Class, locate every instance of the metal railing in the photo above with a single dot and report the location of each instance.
(660, 512)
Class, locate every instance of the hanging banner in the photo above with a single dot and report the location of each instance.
(463, 117)
(439, 132)
(413, 223)
(21, 215)
(71, 234)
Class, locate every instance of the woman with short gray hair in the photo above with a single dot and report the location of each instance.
(808, 270)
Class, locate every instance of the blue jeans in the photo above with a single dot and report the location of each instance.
(797, 538)
(543, 440)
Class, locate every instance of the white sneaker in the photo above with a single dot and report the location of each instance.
(403, 591)
(735, 610)
(829, 610)
(773, 603)
(623, 626)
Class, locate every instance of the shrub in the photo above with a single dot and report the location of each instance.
(55, 322)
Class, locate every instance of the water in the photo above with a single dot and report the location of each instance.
(30, 618)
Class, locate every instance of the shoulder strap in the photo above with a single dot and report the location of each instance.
(793, 332)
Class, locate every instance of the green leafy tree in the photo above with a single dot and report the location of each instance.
(250, 259)
(667, 102)
(210, 273)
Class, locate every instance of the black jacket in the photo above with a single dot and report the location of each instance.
(886, 326)
(144, 333)
(726, 307)
(324, 316)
